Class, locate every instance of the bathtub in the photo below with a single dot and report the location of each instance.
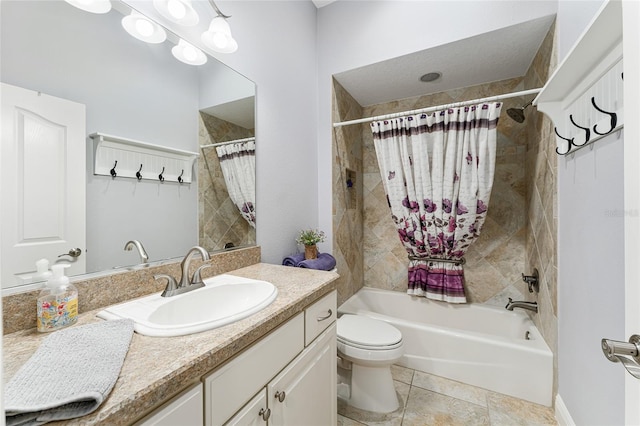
(479, 345)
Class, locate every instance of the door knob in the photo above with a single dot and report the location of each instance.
(76, 252)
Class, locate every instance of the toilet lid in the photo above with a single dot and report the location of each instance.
(365, 331)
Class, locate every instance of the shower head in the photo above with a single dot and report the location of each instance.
(517, 114)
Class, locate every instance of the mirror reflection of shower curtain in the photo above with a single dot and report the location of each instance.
(238, 163)
(437, 171)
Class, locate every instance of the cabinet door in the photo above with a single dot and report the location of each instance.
(186, 410)
(304, 393)
(255, 413)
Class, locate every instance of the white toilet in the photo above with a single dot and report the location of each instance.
(370, 346)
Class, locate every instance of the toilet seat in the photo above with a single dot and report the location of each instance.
(367, 333)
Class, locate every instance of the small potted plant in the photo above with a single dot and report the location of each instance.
(309, 238)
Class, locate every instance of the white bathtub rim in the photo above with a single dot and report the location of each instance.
(536, 342)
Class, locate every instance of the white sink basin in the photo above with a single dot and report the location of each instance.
(223, 300)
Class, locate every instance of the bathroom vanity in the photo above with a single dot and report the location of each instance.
(278, 364)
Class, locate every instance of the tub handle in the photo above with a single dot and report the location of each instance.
(330, 312)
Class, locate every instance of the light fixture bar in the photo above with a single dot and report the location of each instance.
(215, 7)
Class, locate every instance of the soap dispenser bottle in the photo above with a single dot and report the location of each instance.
(57, 302)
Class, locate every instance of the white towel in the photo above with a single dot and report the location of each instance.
(70, 375)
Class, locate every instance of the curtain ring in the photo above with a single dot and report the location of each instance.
(138, 174)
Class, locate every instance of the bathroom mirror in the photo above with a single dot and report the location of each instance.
(137, 91)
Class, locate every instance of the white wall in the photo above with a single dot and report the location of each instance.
(590, 260)
(277, 50)
(352, 34)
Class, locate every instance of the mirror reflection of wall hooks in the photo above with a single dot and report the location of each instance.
(113, 170)
(571, 142)
(180, 177)
(138, 174)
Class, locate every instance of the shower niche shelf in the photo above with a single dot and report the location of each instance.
(128, 158)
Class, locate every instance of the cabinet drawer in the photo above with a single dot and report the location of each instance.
(235, 383)
(319, 316)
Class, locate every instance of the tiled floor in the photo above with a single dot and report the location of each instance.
(432, 400)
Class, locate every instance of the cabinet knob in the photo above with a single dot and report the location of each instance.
(265, 414)
(280, 396)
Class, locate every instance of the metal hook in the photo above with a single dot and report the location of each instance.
(138, 174)
(613, 115)
(160, 177)
(586, 129)
(569, 141)
(113, 169)
(180, 177)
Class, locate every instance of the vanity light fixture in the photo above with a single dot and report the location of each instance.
(142, 28)
(188, 53)
(178, 11)
(218, 37)
(93, 6)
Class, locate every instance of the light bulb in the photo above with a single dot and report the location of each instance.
(177, 9)
(189, 54)
(144, 27)
(220, 40)
(93, 6)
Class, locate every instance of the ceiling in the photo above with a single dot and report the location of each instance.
(493, 56)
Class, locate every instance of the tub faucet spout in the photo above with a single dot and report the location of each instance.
(532, 306)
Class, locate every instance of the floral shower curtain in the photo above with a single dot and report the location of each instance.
(238, 163)
(437, 171)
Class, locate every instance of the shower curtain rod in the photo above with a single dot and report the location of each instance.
(439, 107)
(228, 142)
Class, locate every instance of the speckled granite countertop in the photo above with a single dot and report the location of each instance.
(157, 368)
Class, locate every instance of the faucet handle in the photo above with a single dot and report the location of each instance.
(171, 283)
(197, 277)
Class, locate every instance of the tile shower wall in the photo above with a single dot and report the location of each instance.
(220, 221)
(542, 212)
(347, 198)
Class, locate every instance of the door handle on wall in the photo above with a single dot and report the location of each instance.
(626, 353)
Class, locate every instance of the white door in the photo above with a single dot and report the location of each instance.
(631, 46)
(43, 189)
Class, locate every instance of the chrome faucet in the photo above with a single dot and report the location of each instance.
(144, 257)
(185, 285)
(532, 306)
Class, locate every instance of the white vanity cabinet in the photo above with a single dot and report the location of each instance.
(280, 380)
(185, 409)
